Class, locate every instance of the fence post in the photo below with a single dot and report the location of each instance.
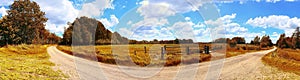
(162, 53)
(145, 49)
(188, 50)
(207, 49)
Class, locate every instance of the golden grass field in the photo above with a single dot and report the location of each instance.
(238, 49)
(122, 54)
(284, 59)
(27, 62)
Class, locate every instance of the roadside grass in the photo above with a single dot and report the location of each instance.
(284, 59)
(122, 55)
(27, 62)
(242, 49)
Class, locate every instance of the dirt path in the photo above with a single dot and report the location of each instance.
(248, 66)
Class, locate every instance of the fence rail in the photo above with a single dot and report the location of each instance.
(188, 50)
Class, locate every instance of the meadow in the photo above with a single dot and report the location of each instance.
(27, 62)
(176, 54)
(123, 54)
(284, 59)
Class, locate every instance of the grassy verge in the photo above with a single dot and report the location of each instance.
(136, 54)
(284, 59)
(242, 49)
(27, 62)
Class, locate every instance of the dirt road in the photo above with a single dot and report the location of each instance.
(247, 66)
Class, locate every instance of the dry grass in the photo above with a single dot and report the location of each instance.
(242, 49)
(236, 50)
(285, 59)
(27, 62)
(122, 55)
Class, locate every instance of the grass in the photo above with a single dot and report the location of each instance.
(135, 53)
(27, 62)
(242, 49)
(284, 59)
(239, 49)
(120, 54)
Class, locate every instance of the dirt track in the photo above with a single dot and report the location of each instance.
(247, 66)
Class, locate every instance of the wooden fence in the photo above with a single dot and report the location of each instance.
(188, 50)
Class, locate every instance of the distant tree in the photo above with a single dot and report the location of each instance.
(296, 39)
(239, 40)
(281, 43)
(232, 43)
(266, 41)
(256, 40)
(176, 41)
(221, 40)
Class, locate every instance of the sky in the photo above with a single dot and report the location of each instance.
(200, 20)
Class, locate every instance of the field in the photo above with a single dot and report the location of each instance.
(236, 50)
(151, 55)
(27, 62)
(123, 54)
(284, 59)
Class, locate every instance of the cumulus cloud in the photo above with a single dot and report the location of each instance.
(95, 8)
(147, 33)
(276, 21)
(3, 11)
(183, 30)
(108, 23)
(224, 25)
(58, 12)
(158, 10)
(164, 8)
(150, 22)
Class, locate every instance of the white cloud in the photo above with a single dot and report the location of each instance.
(159, 10)
(224, 25)
(187, 18)
(3, 11)
(183, 30)
(164, 8)
(110, 23)
(276, 21)
(96, 8)
(58, 12)
(150, 22)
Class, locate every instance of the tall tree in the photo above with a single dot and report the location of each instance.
(24, 23)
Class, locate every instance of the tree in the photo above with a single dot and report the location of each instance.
(256, 40)
(24, 23)
(239, 40)
(266, 41)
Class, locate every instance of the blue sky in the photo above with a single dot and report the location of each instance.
(169, 19)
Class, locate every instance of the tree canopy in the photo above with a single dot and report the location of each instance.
(25, 23)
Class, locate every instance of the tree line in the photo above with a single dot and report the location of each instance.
(290, 42)
(265, 41)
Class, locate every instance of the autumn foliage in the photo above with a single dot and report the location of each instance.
(25, 24)
(289, 42)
